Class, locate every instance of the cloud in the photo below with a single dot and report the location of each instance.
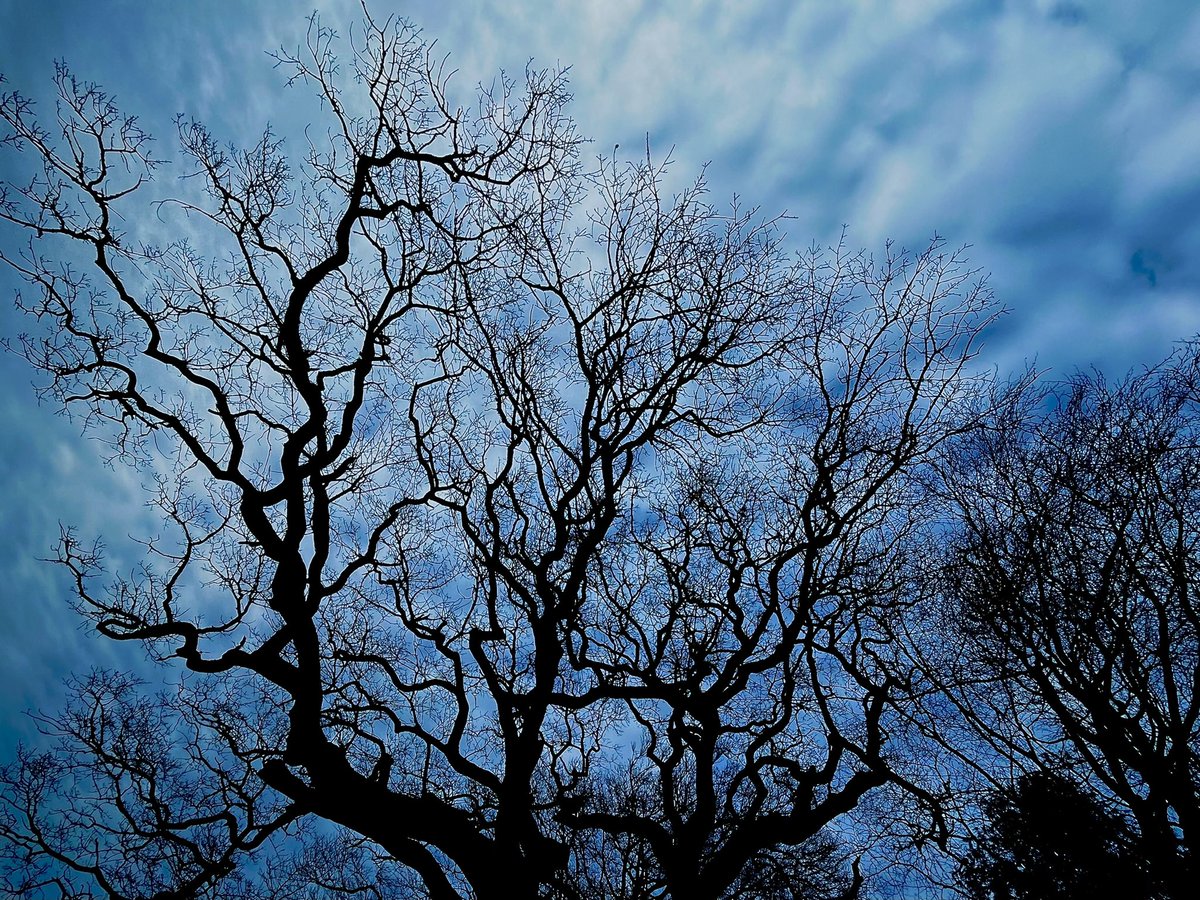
(1059, 139)
(49, 479)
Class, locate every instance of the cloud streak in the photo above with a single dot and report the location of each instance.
(1061, 140)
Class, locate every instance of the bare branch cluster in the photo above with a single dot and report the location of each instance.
(531, 530)
(1073, 582)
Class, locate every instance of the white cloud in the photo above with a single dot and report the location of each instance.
(1060, 139)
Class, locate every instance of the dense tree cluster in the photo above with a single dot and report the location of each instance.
(1046, 839)
(530, 531)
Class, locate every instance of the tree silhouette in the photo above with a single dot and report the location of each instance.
(1046, 839)
(1073, 586)
(525, 531)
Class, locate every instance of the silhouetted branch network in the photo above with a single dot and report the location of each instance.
(527, 530)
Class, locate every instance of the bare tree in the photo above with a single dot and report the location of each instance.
(516, 515)
(746, 619)
(1074, 580)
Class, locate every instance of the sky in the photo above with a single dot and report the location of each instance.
(1060, 140)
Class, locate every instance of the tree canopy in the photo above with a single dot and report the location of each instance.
(1074, 584)
(1049, 840)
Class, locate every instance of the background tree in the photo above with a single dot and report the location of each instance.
(1048, 839)
(1074, 581)
(513, 513)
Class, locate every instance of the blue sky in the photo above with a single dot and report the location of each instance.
(1061, 140)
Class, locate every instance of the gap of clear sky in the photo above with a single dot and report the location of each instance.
(1060, 139)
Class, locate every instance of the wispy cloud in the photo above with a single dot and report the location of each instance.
(1062, 140)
